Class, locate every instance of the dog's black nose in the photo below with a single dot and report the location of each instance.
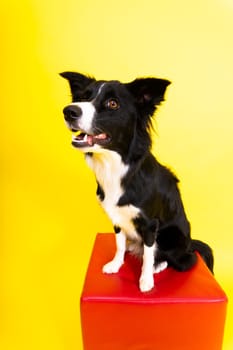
(72, 112)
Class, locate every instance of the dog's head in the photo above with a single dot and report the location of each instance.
(109, 114)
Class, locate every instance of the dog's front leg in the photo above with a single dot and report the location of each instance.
(146, 281)
(118, 260)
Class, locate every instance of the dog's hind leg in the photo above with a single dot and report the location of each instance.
(176, 248)
(160, 267)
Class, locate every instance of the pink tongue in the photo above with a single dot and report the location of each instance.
(90, 140)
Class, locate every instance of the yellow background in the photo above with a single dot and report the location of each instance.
(49, 213)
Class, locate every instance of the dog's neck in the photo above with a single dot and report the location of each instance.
(109, 169)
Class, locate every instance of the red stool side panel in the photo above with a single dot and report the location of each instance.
(164, 327)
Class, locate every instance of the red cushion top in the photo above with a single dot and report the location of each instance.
(197, 285)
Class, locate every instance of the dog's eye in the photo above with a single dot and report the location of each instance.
(112, 104)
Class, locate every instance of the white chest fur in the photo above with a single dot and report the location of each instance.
(109, 170)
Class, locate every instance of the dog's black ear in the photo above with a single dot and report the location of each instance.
(78, 82)
(149, 92)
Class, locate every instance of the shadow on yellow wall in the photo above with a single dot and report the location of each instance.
(49, 213)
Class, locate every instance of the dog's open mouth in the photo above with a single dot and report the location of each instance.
(81, 139)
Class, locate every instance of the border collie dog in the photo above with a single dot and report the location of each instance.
(111, 123)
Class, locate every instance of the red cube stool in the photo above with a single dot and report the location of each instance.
(185, 310)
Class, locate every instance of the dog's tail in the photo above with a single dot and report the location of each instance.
(205, 251)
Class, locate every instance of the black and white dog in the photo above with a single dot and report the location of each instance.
(111, 123)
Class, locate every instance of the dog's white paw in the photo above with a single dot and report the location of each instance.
(112, 267)
(160, 267)
(146, 283)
